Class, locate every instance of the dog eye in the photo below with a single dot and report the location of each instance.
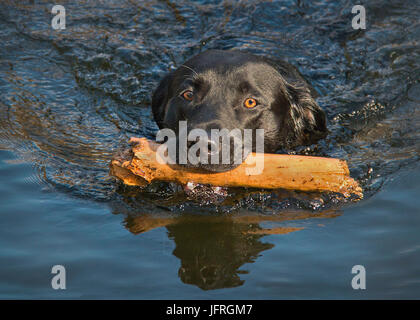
(250, 103)
(188, 95)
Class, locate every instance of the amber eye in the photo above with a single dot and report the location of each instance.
(188, 95)
(250, 103)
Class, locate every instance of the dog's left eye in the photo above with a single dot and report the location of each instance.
(250, 103)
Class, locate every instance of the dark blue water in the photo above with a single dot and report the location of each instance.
(70, 98)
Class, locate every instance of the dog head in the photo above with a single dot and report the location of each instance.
(235, 91)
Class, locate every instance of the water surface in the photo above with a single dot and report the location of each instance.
(70, 98)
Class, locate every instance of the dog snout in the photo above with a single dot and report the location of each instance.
(206, 147)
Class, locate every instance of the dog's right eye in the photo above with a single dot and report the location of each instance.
(188, 95)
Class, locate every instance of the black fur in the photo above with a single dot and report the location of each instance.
(222, 80)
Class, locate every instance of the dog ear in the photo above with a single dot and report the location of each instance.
(306, 119)
(160, 100)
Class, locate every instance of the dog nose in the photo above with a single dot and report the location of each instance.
(210, 149)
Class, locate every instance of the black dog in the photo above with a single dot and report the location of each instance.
(230, 89)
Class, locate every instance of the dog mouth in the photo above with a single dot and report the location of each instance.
(212, 168)
(215, 162)
(203, 155)
(213, 150)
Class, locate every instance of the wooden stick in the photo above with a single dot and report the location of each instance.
(141, 167)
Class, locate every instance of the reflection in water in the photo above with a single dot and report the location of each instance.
(212, 253)
(212, 249)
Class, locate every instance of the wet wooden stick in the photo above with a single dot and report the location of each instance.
(140, 167)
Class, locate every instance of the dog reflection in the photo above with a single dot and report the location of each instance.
(213, 249)
(212, 254)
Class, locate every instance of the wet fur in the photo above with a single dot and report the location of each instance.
(291, 117)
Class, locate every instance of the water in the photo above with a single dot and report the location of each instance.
(70, 98)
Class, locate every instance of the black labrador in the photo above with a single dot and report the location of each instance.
(235, 90)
